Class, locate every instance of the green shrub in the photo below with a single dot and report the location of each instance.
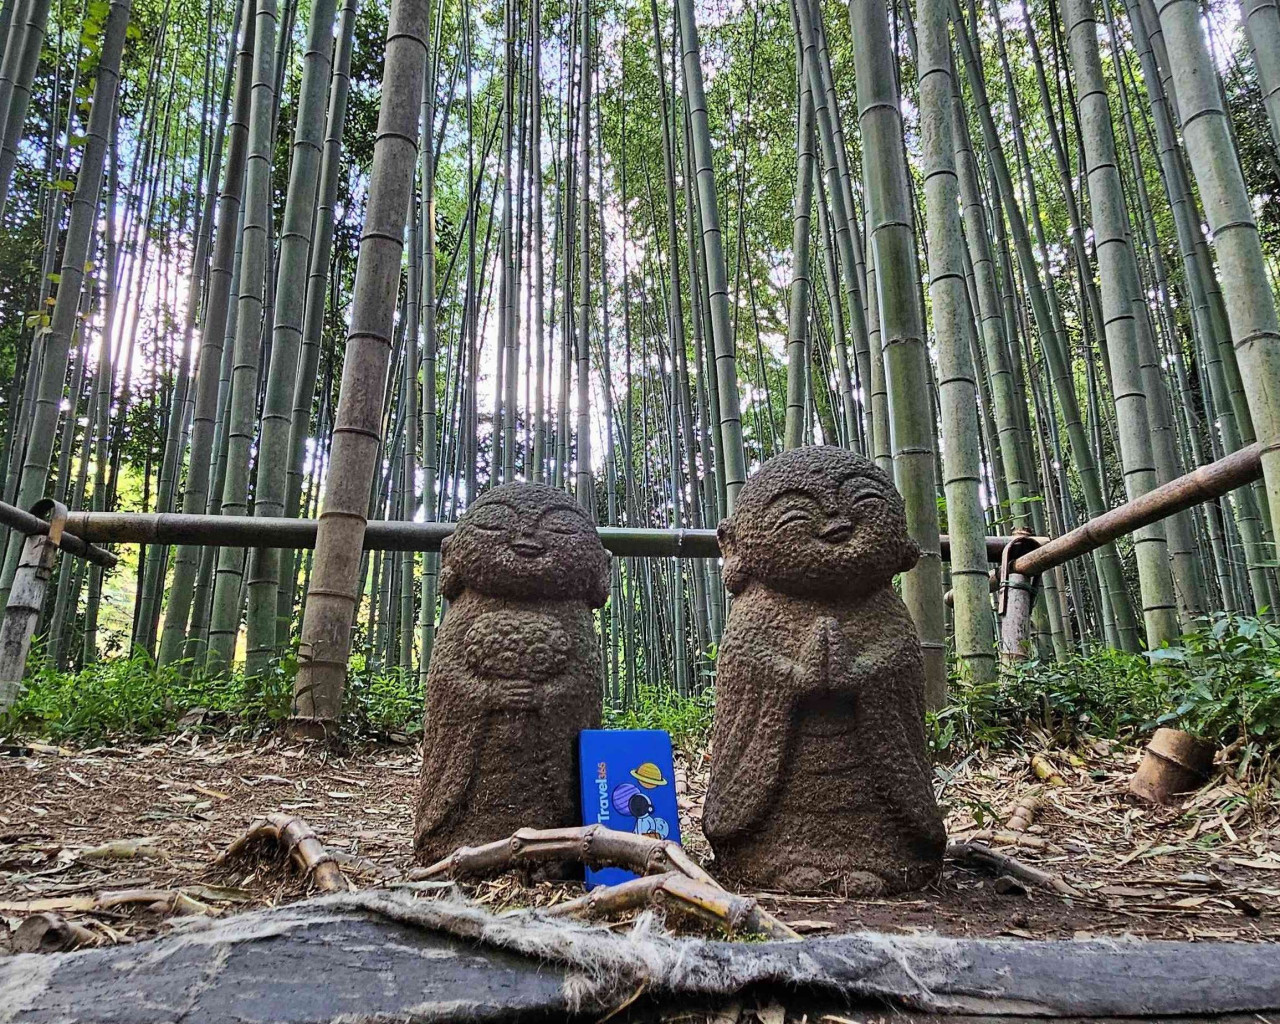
(1104, 693)
(1224, 682)
(1221, 681)
(130, 698)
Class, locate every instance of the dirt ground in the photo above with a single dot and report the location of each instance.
(77, 824)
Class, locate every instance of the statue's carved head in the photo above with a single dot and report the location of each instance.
(522, 541)
(817, 521)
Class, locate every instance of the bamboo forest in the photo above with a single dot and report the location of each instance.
(300, 299)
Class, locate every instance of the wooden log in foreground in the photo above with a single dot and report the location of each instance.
(369, 955)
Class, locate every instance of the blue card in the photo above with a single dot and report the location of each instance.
(628, 784)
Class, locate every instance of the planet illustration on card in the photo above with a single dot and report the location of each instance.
(649, 775)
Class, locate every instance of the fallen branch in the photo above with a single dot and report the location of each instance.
(670, 874)
(301, 844)
(979, 855)
(709, 902)
(364, 866)
(165, 901)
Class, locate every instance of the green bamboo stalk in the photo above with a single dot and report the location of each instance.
(1262, 27)
(716, 269)
(76, 246)
(326, 626)
(1051, 344)
(1251, 311)
(265, 631)
(1121, 291)
(797, 322)
(427, 211)
(957, 388)
(583, 478)
(228, 583)
(16, 77)
(911, 426)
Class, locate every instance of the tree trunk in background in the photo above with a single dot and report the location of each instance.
(228, 580)
(77, 244)
(335, 587)
(902, 327)
(957, 388)
(265, 634)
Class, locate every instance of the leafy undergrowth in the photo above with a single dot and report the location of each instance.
(686, 718)
(131, 698)
(1220, 681)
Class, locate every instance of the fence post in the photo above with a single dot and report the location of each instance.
(26, 598)
(1016, 597)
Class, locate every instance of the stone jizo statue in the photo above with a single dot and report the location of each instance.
(515, 671)
(820, 777)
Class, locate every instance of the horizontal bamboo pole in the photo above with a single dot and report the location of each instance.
(381, 535)
(71, 542)
(1200, 485)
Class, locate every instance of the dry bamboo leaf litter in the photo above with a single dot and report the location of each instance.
(1139, 870)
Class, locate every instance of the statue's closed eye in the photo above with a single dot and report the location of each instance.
(564, 522)
(493, 519)
(795, 515)
(855, 492)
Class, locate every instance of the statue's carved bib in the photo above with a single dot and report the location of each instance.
(517, 644)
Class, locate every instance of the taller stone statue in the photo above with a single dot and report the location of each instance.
(515, 672)
(820, 776)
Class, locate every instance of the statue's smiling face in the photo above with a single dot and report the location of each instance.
(819, 521)
(536, 537)
(526, 540)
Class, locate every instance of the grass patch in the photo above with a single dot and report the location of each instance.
(686, 718)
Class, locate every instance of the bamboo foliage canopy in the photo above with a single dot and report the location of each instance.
(343, 260)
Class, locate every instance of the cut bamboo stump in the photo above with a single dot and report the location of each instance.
(1175, 763)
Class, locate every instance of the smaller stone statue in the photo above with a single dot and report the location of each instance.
(515, 671)
(820, 777)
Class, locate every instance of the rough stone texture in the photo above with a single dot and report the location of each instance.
(820, 777)
(515, 672)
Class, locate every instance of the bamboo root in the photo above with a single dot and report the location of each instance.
(1023, 812)
(733, 913)
(591, 844)
(162, 901)
(668, 873)
(979, 855)
(300, 843)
